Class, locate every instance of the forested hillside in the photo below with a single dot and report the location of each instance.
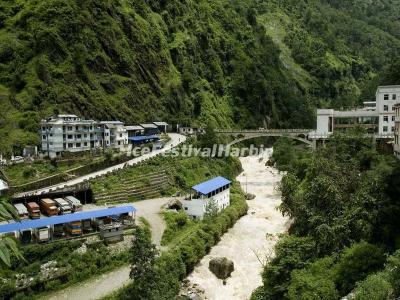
(243, 63)
(180, 61)
(343, 201)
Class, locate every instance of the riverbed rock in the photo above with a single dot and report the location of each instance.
(250, 196)
(221, 267)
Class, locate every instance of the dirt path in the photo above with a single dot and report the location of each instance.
(250, 240)
(105, 284)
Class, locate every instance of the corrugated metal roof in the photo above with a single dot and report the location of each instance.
(161, 123)
(148, 126)
(134, 127)
(211, 185)
(78, 216)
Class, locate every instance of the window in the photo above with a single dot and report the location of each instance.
(386, 97)
(51, 143)
(385, 119)
(386, 108)
(393, 108)
(85, 135)
(85, 144)
(63, 128)
(76, 127)
(78, 145)
(78, 136)
(69, 127)
(393, 118)
(44, 137)
(69, 136)
(119, 143)
(385, 128)
(392, 129)
(394, 97)
(51, 134)
(186, 208)
(120, 135)
(70, 145)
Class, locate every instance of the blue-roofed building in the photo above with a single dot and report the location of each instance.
(44, 226)
(210, 195)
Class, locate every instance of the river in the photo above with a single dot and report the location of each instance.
(251, 240)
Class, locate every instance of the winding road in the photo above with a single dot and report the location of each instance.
(176, 139)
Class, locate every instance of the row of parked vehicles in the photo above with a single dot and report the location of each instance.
(48, 207)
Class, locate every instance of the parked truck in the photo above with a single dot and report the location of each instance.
(75, 203)
(58, 230)
(42, 234)
(48, 207)
(21, 211)
(74, 228)
(33, 210)
(63, 206)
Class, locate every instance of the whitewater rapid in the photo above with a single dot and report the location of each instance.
(250, 242)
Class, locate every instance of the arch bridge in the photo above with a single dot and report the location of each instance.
(301, 135)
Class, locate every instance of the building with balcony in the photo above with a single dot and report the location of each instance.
(377, 117)
(209, 195)
(115, 134)
(69, 133)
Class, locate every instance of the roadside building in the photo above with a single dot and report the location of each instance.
(186, 130)
(377, 117)
(134, 130)
(396, 145)
(69, 133)
(162, 126)
(207, 196)
(115, 134)
(191, 130)
(150, 129)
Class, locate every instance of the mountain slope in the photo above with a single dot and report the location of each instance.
(337, 43)
(182, 61)
(242, 63)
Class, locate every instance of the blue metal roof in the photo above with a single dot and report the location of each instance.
(78, 216)
(211, 185)
(143, 138)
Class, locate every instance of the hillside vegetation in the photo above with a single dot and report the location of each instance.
(181, 61)
(240, 63)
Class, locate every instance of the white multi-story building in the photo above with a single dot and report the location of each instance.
(386, 98)
(115, 134)
(63, 133)
(377, 116)
(211, 194)
(396, 145)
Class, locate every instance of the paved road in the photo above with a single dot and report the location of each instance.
(105, 284)
(176, 139)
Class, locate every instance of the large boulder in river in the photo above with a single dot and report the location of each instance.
(221, 267)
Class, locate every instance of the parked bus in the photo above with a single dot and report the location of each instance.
(48, 207)
(75, 203)
(21, 211)
(63, 206)
(33, 210)
(25, 236)
(74, 228)
(42, 234)
(58, 230)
